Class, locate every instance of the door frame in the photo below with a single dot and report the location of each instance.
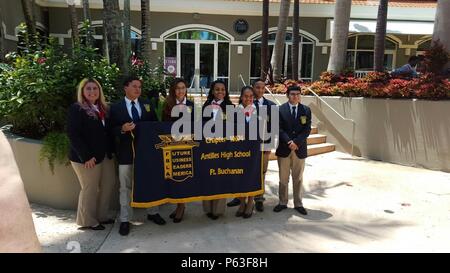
(197, 44)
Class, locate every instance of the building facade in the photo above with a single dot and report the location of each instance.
(204, 40)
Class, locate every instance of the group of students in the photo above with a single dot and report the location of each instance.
(97, 132)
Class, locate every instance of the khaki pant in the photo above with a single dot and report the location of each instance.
(126, 180)
(260, 198)
(285, 166)
(216, 207)
(97, 185)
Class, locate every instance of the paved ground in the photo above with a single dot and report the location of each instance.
(354, 204)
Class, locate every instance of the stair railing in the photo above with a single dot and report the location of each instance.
(326, 103)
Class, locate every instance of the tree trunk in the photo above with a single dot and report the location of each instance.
(2, 41)
(265, 40)
(112, 26)
(74, 25)
(280, 39)
(87, 18)
(127, 37)
(441, 31)
(28, 13)
(340, 36)
(380, 36)
(295, 39)
(146, 46)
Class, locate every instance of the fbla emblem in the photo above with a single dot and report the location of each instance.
(178, 157)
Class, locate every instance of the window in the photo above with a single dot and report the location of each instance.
(199, 56)
(360, 53)
(306, 55)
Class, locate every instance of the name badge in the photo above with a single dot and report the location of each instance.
(303, 120)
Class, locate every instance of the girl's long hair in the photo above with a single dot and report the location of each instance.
(171, 99)
(242, 92)
(211, 92)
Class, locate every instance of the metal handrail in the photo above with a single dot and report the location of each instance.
(341, 116)
(193, 80)
(326, 103)
(267, 89)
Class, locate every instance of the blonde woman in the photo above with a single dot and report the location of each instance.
(90, 154)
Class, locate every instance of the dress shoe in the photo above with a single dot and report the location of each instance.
(301, 210)
(279, 208)
(240, 212)
(157, 219)
(233, 203)
(259, 205)
(249, 210)
(178, 219)
(172, 215)
(212, 216)
(108, 222)
(124, 228)
(97, 227)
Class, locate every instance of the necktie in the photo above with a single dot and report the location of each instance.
(134, 112)
(294, 113)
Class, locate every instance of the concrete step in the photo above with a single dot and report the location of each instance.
(313, 149)
(321, 148)
(316, 139)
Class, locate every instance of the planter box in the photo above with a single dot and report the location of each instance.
(404, 131)
(59, 190)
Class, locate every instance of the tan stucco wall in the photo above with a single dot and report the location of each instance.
(407, 132)
(59, 190)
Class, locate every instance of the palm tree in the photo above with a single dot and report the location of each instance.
(265, 40)
(127, 37)
(146, 46)
(280, 38)
(113, 30)
(87, 19)
(441, 31)
(73, 22)
(28, 13)
(340, 36)
(380, 36)
(295, 39)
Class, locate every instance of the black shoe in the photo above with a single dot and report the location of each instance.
(157, 219)
(279, 208)
(97, 227)
(259, 205)
(172, 215)
(233, 203)
(301, 210)
(249, 212)
(240, 213)
(108, 222)
(124, 228)
(212, 216)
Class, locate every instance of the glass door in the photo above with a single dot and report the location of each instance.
(207, 67)
(188, 63)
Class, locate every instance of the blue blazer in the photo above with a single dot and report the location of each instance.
(88, 136)
(297, 129)
(119, 116)
(268, 104)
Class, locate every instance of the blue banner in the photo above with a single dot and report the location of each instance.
(167, 170)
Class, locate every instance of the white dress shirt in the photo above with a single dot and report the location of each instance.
(216, 109)
(136, 104)
(296, 108)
